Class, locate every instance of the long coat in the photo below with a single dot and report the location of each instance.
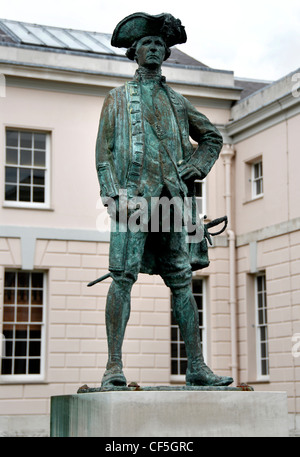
(120, 150)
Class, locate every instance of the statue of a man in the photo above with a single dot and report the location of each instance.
(143, 151)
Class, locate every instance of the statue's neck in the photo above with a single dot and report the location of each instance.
(146, 74)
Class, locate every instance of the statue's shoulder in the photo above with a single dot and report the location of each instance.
(175, 97)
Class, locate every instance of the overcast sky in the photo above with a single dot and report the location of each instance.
(257, 39)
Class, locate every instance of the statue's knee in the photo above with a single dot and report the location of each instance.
(122, 281)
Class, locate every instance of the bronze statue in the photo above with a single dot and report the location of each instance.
(143, 153)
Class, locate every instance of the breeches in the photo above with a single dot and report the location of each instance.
(166, 252)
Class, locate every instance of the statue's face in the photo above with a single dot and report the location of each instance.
(150, 52)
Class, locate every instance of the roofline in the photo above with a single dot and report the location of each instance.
(44, 48)
(122, 76)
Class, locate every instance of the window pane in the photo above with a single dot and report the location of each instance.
(9, 314)
(174, 367)
(24, 194)
(35, 332)
(260, 300)
(26, 139)
(23, 297)
(39, 141)
(174, 331)
(260, 316)
(8, 348)
(174, 352)
(38, 194)
(36, 297)
(26, 157)
(20, 366)
(197, 286)
(25, 175)
(34, 348)
(6, 366)
(263, 349)
(259, 283)
(258, 187)
(11, 138)
(34, 366)
(23, 280)
(37, 280)
(9, 297)
(198, 189)
(7, 332)
(21, 348)
(183, 366)
(9, 280)
(39, 177)
(21, 332)
(12, 156)
(11, 174)
(11, 192)
(39, 159)
(264, 367)
(256, 170)
(22, 314)
(200, 319)
(36, 314)
(182, 351)
(262, 333)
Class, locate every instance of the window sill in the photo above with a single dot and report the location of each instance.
(22, 379)
(260, 381)
(18, 206)
(254, 199)
(177, 379)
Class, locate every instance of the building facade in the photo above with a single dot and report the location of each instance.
(54, 231)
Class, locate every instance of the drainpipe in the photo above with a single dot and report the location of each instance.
(227, 154)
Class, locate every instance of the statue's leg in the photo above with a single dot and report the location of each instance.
(186, 314)
(117, 311)
(116, 316)
(176, 271)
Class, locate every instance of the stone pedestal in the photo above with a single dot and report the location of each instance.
(183, 413)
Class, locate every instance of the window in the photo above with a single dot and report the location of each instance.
(23, 325)
(262, 352)
(200, 192)
(257, 179)
(27, 169)
(178, 354)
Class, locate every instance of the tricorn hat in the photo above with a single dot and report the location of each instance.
(139, 25)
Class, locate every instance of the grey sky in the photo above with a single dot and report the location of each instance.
(258, 39)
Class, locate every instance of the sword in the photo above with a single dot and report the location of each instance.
(213, 223)
(92, 283)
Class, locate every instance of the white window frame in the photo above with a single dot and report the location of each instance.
(28, 378)
(259, 324)
(181, 377)
(31, 205)
(255, 180)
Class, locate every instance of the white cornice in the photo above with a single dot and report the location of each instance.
(264, 117)
(110, 72)
(98, 82)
